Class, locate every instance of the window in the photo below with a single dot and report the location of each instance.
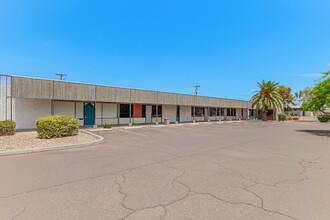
(228, 111)
(153, 114)
(220, 112)
(124, 110)
(199, 111)
(213, 111)
(143, 111)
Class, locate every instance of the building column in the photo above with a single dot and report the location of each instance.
(156, 114)
(194, 114)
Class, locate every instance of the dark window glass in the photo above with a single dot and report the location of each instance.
(199, 112)
(124, 110)
(153, 114)
(143, 111)
(270, 113)
(228, 111)
(222, 112)
(233, 112)
(213, 111)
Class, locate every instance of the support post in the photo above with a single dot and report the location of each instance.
(130, 107)
(95, 124)
(130, 115)
(11, 100)
(102, 113)
(230, 114)
(118, 113)
(52, 104)
(157, 114)
(6, 99)
(194, 114)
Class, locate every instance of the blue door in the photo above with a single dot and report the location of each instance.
(89, 114)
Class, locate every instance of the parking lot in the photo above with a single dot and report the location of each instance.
(238, 170)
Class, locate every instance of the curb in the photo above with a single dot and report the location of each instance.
(65, 147)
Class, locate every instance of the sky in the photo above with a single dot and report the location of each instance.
(226, 47)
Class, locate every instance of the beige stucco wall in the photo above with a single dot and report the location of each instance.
(27, 111)
(185, 114)
(169, 111)
(64, 108)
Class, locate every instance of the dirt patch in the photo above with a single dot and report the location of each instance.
(30, 140)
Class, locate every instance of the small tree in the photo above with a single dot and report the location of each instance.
(267, 98)
(318, 97)
(288, 98)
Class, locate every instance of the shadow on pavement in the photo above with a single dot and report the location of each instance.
(325, 133)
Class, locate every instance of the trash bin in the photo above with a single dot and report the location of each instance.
(166, 121)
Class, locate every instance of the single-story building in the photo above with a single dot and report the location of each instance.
(25, 99)
(298, 111)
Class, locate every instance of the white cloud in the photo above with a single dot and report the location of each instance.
(311, 75)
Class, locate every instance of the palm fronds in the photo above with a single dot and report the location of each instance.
(267, 97)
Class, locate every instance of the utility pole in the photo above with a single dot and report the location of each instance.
(194, 108)
(196, 90)
(61, 75)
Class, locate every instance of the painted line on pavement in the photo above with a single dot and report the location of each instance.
(136, 133)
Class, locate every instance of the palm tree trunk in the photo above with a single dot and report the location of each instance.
(264, 115)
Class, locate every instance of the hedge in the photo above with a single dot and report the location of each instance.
(323, 118)
(7, 128)
(281, 116)
(56, 126)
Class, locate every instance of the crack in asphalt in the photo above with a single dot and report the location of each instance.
(118, 172)
(163, 205)
(18, 214)
(120, 190)
(190, 191)
(223, 200)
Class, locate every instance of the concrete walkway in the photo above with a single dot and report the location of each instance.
(247, 170)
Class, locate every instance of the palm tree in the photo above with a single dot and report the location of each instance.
(267, 98)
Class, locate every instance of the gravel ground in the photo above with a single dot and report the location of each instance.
(28, 140)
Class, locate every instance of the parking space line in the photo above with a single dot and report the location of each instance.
(164, 130)
(185, 128)
(135, 133)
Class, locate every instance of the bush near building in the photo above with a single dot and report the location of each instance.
(56, 126)
(324, 118)
(7, 128)
(107, 125)
(281, 116)
(292, 118)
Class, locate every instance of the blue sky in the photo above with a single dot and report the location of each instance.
(224, 46)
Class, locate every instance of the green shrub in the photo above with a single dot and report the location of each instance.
(56, 126)
(281, 116)
(107, 125)
(323, 118)
(7, 128)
